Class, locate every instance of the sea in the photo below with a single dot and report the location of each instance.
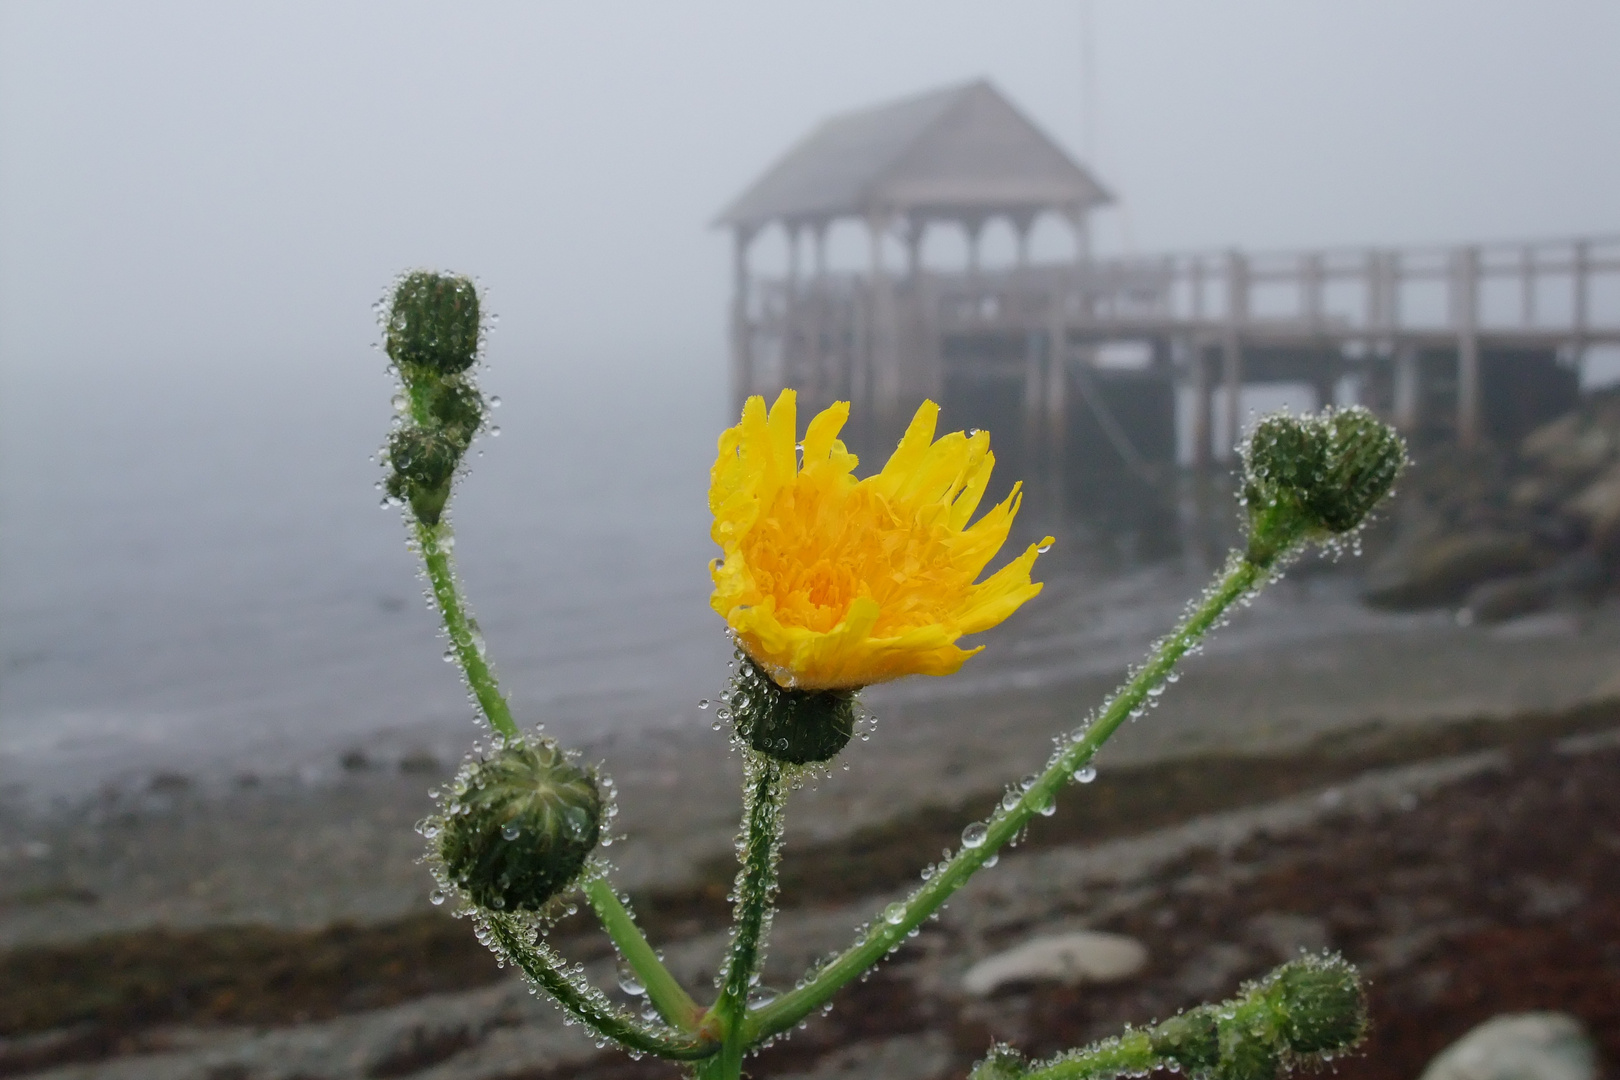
(197, 576)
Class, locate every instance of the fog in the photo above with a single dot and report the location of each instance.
(199, 204)
(229, 185)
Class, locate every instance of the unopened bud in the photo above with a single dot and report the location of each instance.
(520, 826)
(1310, 478)
(424, 464)
(1320, 1004)
(796, 727)
(1002, 1063)
(433, 323)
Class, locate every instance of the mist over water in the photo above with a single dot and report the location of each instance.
(198, 569)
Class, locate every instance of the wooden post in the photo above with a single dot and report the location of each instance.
(742, 359)
(1582, 299)
(1310, 287)
(1237, 313)
(1203, 411)
(1465, 309)
(1408, 390)
(1527, 286)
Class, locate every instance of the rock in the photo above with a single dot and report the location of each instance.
(1520, 1046)
(1507, 598)
(1081, 956)
(1598, 505)
(1577, 577)
(1442, 569)
(1573, 445)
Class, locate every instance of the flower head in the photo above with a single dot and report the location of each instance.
(830, 582)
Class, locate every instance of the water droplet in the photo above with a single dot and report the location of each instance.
(495, 402)
(629, 982)
(401, 402)
(511, 831)
(436, 897)
(449, 656)
(975, 835)
(703, 703)
(1043, 548)
(1085, 774)
(1028, 782)
(895, 913)
(1047, 808)
(1010, 800)
(1156, 690)
(995, 857)
(723, 714)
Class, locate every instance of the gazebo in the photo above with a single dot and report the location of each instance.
(960, 156)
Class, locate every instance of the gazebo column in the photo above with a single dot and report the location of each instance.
(1237, 313)
(883, 368)
(742, 359)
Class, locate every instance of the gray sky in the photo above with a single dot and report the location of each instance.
(188, 182)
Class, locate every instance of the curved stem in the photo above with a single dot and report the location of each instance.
(1239, 578)
(756, 888)
(667, 995)
(545, 968)
(463, 640)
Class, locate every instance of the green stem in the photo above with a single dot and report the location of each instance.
(442, 577)
(673, 1002)
(1238, 579)
(756, 888)
(544, 967)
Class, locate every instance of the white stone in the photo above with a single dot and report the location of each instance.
(1519, 1046)
(1081, 956)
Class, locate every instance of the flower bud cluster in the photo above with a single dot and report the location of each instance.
(1312, 478)
(432, 335)
(517, 826)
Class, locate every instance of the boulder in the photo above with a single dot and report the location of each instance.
(1519, 1046)
(1081, 956)
(1436, 570)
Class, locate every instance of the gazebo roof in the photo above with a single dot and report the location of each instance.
(961, 152)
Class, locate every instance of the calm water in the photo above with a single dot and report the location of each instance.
(197, 574)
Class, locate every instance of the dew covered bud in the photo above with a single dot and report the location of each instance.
(1310, 478)
(1002, 1063)
(520, 826)
(433, 323)
(1320, 1004)
(424, 463)
(795, 727)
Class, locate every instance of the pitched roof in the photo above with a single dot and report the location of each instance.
(964, 150)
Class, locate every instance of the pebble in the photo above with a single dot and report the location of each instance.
(1519, 1046)
(1081, 956)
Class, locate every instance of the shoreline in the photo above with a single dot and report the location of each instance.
(289, 853)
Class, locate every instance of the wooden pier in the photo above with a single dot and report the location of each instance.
(1467, 342)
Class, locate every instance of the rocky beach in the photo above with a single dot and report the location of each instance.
(1406, 759)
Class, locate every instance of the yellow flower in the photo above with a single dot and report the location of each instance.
(835, 583)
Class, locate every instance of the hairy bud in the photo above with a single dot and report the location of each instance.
(795, 727)
(424, 462)
(520, 826)
(433, 324)
(1310, 478)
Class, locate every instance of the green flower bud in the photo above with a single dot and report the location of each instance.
(433, 323)
(1320, 1003)
(520, 826)
(795, 727)
(424, 463)
(1310, 478)
(455, 408)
